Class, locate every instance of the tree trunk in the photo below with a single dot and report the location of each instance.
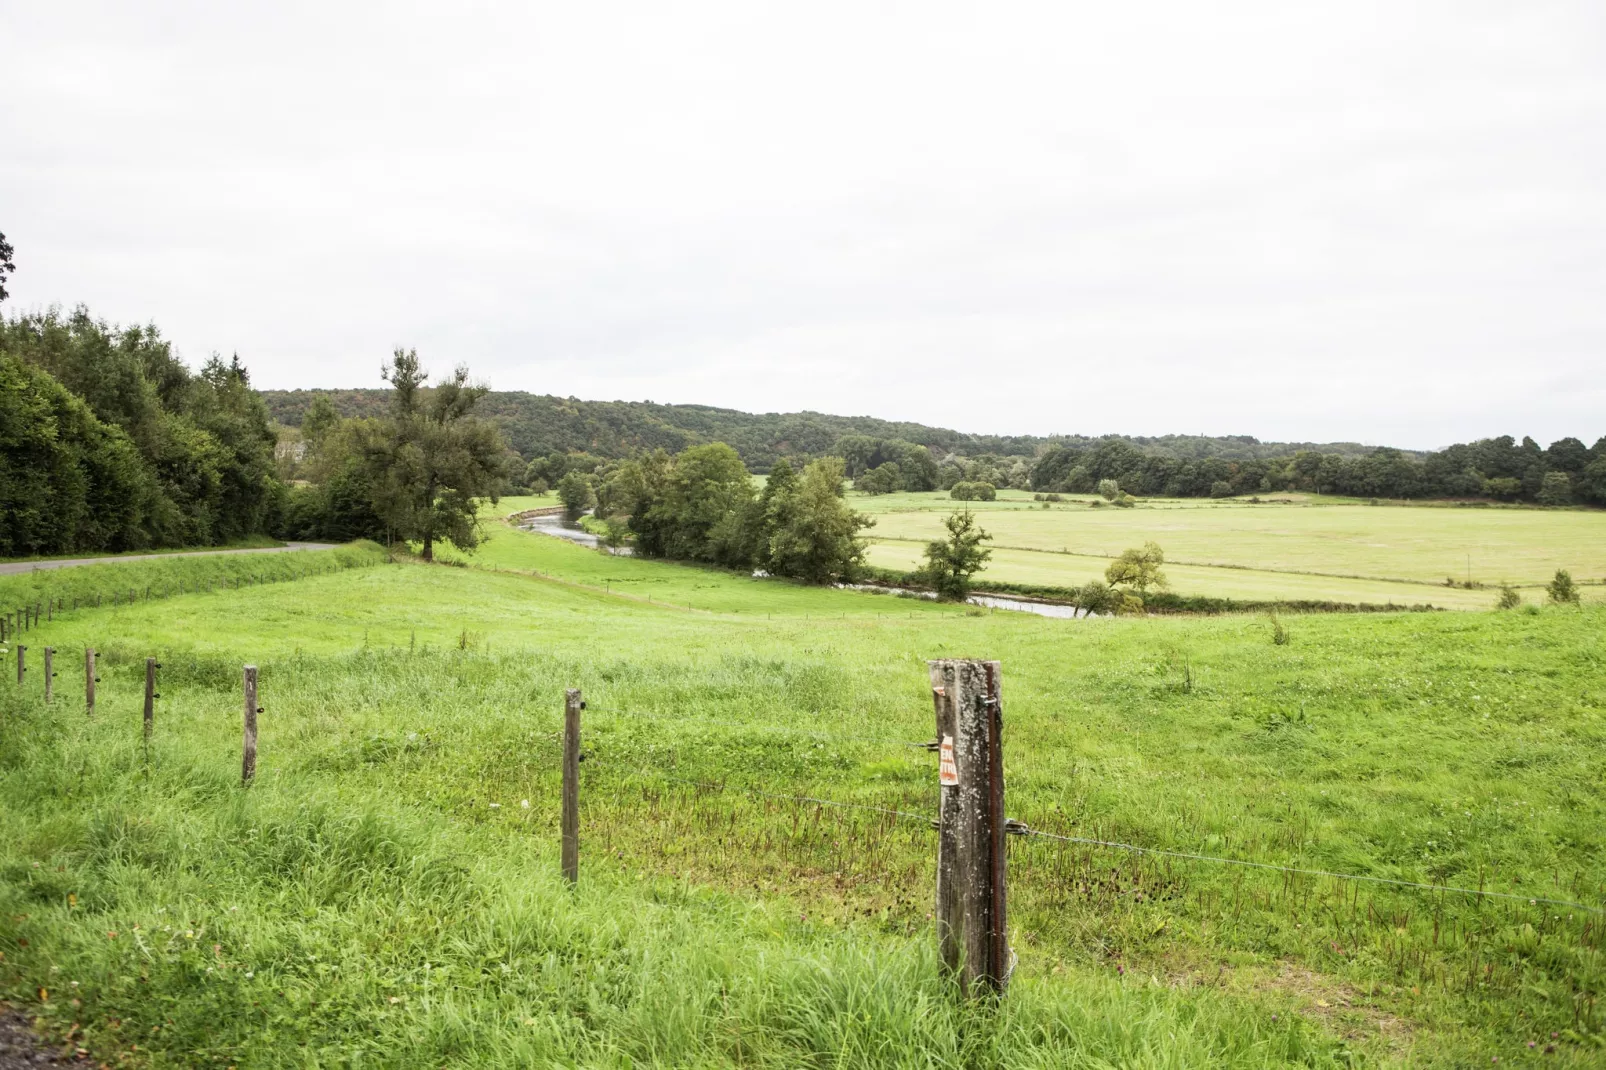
(429, 522)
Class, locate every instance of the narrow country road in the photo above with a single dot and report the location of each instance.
(11, 567)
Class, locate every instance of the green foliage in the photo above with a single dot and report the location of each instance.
(973, 492)
(1109, 489)
(430, 461)
(1555, 489)
(574, 491)
(1509, 598)
(813, 535)
(1138, 569)
(1562, 590)
(68, 483)
(886, 479)
(951, 563)
(200, 441)
(1221, 489)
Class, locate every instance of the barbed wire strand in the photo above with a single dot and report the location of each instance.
(714, 786)
(815, 733)
(1312, 872)
(1031, 832)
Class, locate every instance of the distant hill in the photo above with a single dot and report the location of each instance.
(539, 424)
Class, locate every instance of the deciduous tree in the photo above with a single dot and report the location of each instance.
(952, 562)
(431, 459)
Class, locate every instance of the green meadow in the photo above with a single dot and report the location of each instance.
(386, 892)
(1290, 546)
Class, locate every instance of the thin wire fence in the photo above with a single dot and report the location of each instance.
(760, 727)
(1451, 889)
(1028, 832)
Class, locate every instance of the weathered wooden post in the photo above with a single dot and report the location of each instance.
(572, 705)
(50, 672)
(90, 679)
(972, 922)
(22, 667)
(248, 762)
(150, 697)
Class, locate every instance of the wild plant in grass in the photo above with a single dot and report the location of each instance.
(1509, 598)
(1562, 590)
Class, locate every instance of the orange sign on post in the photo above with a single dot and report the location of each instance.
(947, 772)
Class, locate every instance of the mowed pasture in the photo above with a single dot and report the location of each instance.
(1301, 548)
(382, 893)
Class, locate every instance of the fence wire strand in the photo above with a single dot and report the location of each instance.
(708, 785)
(1038, 833)
(755, 726)
(1531, 899)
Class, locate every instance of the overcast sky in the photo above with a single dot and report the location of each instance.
(1383, 222)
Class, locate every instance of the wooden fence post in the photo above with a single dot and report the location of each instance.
(572, 705)
(248, 761)
(150, 697)
(972, 923)
(89, 679)
(21, 662)
(50, 672)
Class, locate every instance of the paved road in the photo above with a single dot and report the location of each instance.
(29, 566)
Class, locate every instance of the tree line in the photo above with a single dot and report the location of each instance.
(108, 442)
(1500, 468)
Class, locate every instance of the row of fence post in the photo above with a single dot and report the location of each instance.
(248, 760)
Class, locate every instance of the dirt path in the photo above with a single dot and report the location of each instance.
(20, 1046)
(9, 568)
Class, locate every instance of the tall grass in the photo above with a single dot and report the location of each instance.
(411, 711)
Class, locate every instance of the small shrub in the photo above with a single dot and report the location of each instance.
(973, 492)
(1221, 489)
(1562, 590)
(1509, 598)
(1109, 489)
(1052, 498)
(1279, 632)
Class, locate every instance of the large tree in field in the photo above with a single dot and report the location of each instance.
(815, 537)
(951, 562)
(431, 459)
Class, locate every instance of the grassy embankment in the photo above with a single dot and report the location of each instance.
(1307, 548)
(382, 894)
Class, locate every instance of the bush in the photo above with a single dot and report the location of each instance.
(1509, 598)
(1562, 590)
(1221, 489)
(1109, 489)
(973, 492)
(1052, 498)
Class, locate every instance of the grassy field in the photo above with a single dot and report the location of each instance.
(383, 896)
(1304, 547)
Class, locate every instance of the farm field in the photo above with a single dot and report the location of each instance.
(382, 894)
(1306, 548)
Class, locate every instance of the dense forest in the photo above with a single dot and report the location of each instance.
(541, 424)
(558, 435)
(109, 442)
